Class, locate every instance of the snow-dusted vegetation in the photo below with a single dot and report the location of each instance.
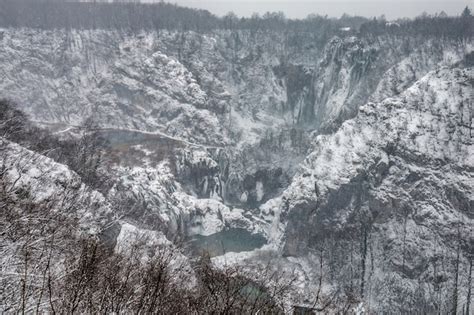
(159, 159)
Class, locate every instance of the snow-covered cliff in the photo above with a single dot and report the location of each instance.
(356, 152)
(388, 199)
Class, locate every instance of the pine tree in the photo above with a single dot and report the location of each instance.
(466, 12)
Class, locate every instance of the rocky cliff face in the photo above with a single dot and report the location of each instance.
(389, 197)
(356, 149)
(255, 95)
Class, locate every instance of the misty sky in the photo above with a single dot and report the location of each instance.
(335, 8)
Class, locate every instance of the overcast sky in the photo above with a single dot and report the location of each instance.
(334, 8)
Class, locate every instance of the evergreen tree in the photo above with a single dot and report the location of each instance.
(466, 12)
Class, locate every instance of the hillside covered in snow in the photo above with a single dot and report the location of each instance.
(338, 152)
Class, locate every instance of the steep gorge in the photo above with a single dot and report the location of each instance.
(257, 97)
(357, 142)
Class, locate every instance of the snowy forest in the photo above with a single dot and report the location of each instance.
(136, 16)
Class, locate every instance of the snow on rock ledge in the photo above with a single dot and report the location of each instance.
(48, 181)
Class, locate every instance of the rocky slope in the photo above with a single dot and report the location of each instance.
(356, 152)
(239, 93)
(45, 209)
(388, 199)
(38, 179)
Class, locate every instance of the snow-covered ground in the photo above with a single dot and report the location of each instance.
(232, 138)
